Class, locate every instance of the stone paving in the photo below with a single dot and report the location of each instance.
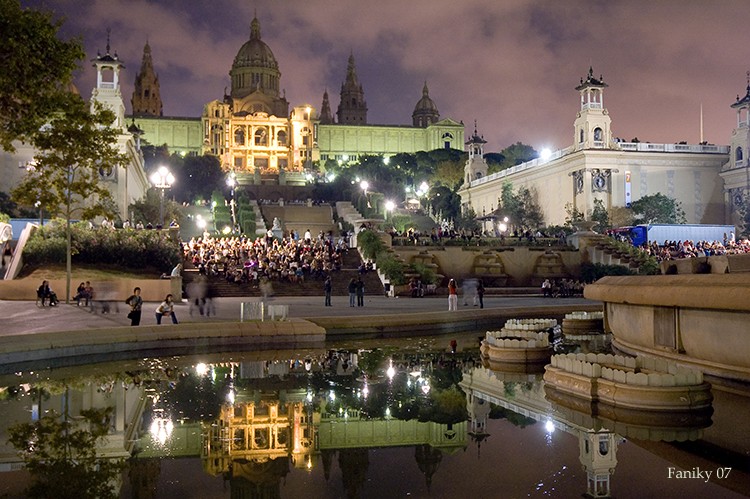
(24, 317)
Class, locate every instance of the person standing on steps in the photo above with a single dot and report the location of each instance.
(136, 303)
(360, 292)
(327, 286)
(352, 291)
(166, 308)
(452, 295)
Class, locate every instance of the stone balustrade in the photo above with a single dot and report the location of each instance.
(621, 369)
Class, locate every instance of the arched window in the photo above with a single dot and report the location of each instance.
(597, 134)
(281, 138)
(581, 137)
(738, 154)
(239, 137)
(261, 137)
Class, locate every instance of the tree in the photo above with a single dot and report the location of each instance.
(600, 216)
(197, 177)
(573, 215)
(516, 154)
(658, 208)
(76, 148)
(495, 161)
(60, 454)
(37, 70)
(521, 208)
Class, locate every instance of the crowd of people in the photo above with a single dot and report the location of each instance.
(289, 259)
(672, 250)
(562, 288)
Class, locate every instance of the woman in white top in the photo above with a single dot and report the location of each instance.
(166, 308)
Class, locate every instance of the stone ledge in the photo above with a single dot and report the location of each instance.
(702, 291)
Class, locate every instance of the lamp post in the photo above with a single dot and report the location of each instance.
(232, 182)
(365, 185)
(162, 179)
(389, 206)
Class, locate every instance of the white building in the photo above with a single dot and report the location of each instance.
(127, 183)
(596, 166)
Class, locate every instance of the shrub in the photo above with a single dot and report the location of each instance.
(391, 268)
(426, 274)
(370, 243)
(591, 272)
(124, 248)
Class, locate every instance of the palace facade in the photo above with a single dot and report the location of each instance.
(708, 181)
(253, 132)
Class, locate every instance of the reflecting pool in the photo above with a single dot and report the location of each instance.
(373, 419)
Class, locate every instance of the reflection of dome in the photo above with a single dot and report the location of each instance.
(255, 52)
(425, 112)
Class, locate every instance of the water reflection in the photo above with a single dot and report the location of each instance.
(344, 421)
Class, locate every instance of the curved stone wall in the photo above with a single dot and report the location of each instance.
(702, 321)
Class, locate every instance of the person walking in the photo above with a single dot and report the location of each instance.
(360, 292)
(352, 291)
(136, 303)
(166, 308)
(327, 286)
(452, 295)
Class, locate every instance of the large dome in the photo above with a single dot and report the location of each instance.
(255, 52)
(425, 112)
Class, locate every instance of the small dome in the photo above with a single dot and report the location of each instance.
(255, 53)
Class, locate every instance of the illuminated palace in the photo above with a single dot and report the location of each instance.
(255, 135)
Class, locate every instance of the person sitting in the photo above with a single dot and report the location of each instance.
(81, 295)
(46, 294)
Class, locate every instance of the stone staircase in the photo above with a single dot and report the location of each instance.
(310, 287)
(301, 218)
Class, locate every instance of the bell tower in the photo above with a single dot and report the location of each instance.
(476, 166)
(146, 100)
(107, 90)
(352, 106)
(593, 124)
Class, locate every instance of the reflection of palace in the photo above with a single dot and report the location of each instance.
(598, 437)
(253, 133)
(259, 434)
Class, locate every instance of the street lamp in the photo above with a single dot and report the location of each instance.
(162, 179)
(232, 182)
(365, 185)
(389, 206)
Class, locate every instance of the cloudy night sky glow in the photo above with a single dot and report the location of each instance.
(512, 65)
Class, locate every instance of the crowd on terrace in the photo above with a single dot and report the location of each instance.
(245, 260)
(672, 250)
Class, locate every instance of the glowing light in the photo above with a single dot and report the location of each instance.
(364, 185)
(226, 229)
(390, 372)
(388, 412)
(230, 395)
(389, 205)
(386, 160)
(365, 391)
(330, 177)
(309, 396)
(201, 369)
(549, 426)
(201, 224)
(332, 396)
(502, 227)
(426, 388)
(545, 154)
(161, 429)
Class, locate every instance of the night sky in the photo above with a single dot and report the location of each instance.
(512, 65)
